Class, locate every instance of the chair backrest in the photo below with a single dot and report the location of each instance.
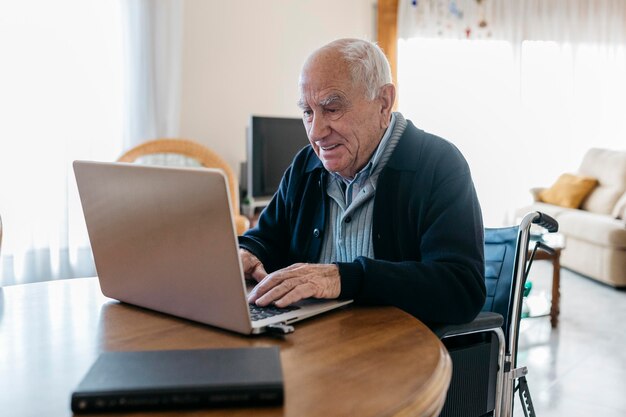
(500, 253)
(182, 152)
(185, 152)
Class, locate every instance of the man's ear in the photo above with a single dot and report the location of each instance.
(387, 96)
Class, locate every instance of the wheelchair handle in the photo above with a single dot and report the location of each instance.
(547, 222)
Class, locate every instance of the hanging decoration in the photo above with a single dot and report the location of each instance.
(453, 18)
(573, 21)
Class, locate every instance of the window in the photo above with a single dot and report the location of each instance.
(521, 116)
(61, 83)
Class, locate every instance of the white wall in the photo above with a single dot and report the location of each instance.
(244, 57)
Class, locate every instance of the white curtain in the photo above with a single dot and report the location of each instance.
(79, 79)
(153, 36)
(523, 88)
(60, 100)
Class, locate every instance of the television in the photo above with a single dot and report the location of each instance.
(272, 144)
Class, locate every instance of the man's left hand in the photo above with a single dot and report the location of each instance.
(296, 282)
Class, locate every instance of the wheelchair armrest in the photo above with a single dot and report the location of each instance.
(485, 321)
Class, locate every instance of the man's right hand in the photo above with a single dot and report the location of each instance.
(252, 267)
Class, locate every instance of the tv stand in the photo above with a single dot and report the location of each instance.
(250, 205)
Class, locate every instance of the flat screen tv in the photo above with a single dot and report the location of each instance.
(272, 144)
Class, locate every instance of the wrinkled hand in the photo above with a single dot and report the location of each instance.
(252, 267)
(296, 282)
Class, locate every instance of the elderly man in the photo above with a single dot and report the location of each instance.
(374, 209)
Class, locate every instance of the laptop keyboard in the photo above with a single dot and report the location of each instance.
(260, 313)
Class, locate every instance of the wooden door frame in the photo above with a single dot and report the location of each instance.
(387, 33)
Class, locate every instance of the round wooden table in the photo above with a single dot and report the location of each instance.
(357, 361)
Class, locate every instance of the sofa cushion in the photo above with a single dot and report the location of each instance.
(609, 167)
(619, 211)
(594, 228)
(569, 190)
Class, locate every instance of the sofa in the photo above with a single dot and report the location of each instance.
(590, 206)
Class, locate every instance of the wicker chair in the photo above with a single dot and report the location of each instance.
(184, 152)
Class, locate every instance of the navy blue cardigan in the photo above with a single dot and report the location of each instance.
(427, 231)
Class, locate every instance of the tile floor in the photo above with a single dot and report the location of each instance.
(578, 369)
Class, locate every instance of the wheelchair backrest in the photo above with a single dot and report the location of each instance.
(500, 252)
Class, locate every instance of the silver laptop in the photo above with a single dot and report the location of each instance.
(163, 238)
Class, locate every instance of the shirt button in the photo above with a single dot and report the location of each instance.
(348, 219)
(316, 232)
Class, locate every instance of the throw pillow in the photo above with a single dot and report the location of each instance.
(568, 191)
(619, 211)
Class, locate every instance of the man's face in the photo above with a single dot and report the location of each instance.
(343, 125)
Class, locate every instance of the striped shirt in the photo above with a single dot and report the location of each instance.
(351, 205)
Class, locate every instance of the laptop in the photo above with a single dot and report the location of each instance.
(163, 238)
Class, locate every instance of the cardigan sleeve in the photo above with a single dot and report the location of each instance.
(429, 248)
(268, 239)
(283, 234)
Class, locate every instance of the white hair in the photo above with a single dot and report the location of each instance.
(367, 63)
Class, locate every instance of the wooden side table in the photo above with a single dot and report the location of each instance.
(556, 242)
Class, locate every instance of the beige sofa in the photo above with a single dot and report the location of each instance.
(596, 232)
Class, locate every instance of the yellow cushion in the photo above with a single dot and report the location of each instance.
(568, 191)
